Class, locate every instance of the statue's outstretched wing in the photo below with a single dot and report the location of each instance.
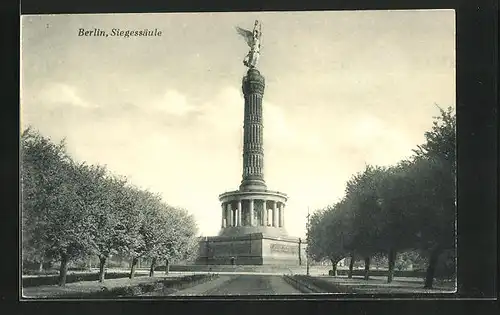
(248, 35)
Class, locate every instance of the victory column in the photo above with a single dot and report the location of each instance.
(252, 217)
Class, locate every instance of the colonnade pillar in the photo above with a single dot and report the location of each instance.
(282, 215)
(234, 217)
(223, 223)
(229, 215)
(251, 211)
(275, 214)
(264, 214)
(238, 223)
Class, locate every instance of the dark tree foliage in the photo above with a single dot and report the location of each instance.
(72, 211)
(401, 212)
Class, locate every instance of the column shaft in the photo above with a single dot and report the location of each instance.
(275, 214)
(253, 85)
(223, 223)
(250, 208)
(264, 216)
(239, 213)
(282, 215)
(229, 215)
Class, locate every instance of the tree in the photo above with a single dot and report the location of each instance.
(331, 234)
(434, 170)
(409, 207)
(339, 229)
(155, 231)
(36, 153)
(316, 236)
(144, 204)
(53, 212)
(410, 258)
(367, 223)
(131, 200)
(397, 197)
(71, 211)
(175, 237)
(179, 240)
(187, 240)
(440, 142)
(436, 219)
(101, 193)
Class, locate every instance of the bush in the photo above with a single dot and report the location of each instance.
(323, 286)
(78, 269)
(70, 278)
(143, 288)
(40, 273)
(118, 264)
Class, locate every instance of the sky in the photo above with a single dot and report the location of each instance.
(343, 89)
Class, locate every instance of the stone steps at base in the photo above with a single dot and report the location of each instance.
(241, 268)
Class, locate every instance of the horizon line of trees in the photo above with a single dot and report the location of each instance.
(72, 211)
(407, 209)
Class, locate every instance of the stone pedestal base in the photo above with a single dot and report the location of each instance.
(251, 249)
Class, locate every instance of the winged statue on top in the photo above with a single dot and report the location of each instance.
(253, 39)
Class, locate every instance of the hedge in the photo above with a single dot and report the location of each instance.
(397, 273)
(163, 286)
(54, 279)
(320, 285)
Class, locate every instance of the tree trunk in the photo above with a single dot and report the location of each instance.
(152, 268)
(351, 267)
(167, 266)
(132, 269)
(63, 270)
(431, 268)
(392, 262)
(334, 267)
(367, 268)
(40, 266)
(102, 265)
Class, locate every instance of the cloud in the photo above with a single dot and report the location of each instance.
(372, 140)
(174, 103)
(223, 115)
(276, 128)
(63, 94)
(224, 111)
(367, 128)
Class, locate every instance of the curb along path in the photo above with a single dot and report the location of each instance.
(202, 288)
(301, 286)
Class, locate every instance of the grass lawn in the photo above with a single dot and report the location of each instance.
(93, 288)
(398, 285)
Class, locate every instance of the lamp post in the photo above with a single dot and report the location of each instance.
(307, 242)
(207, 249)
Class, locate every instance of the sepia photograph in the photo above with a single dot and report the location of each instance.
(237, 154)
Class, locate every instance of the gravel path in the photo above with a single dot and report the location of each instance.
(200, 289)
(242, 285)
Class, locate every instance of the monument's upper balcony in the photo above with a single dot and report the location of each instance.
(263, 194)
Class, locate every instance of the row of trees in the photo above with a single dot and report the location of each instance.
(72, 210)
(408, 207)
